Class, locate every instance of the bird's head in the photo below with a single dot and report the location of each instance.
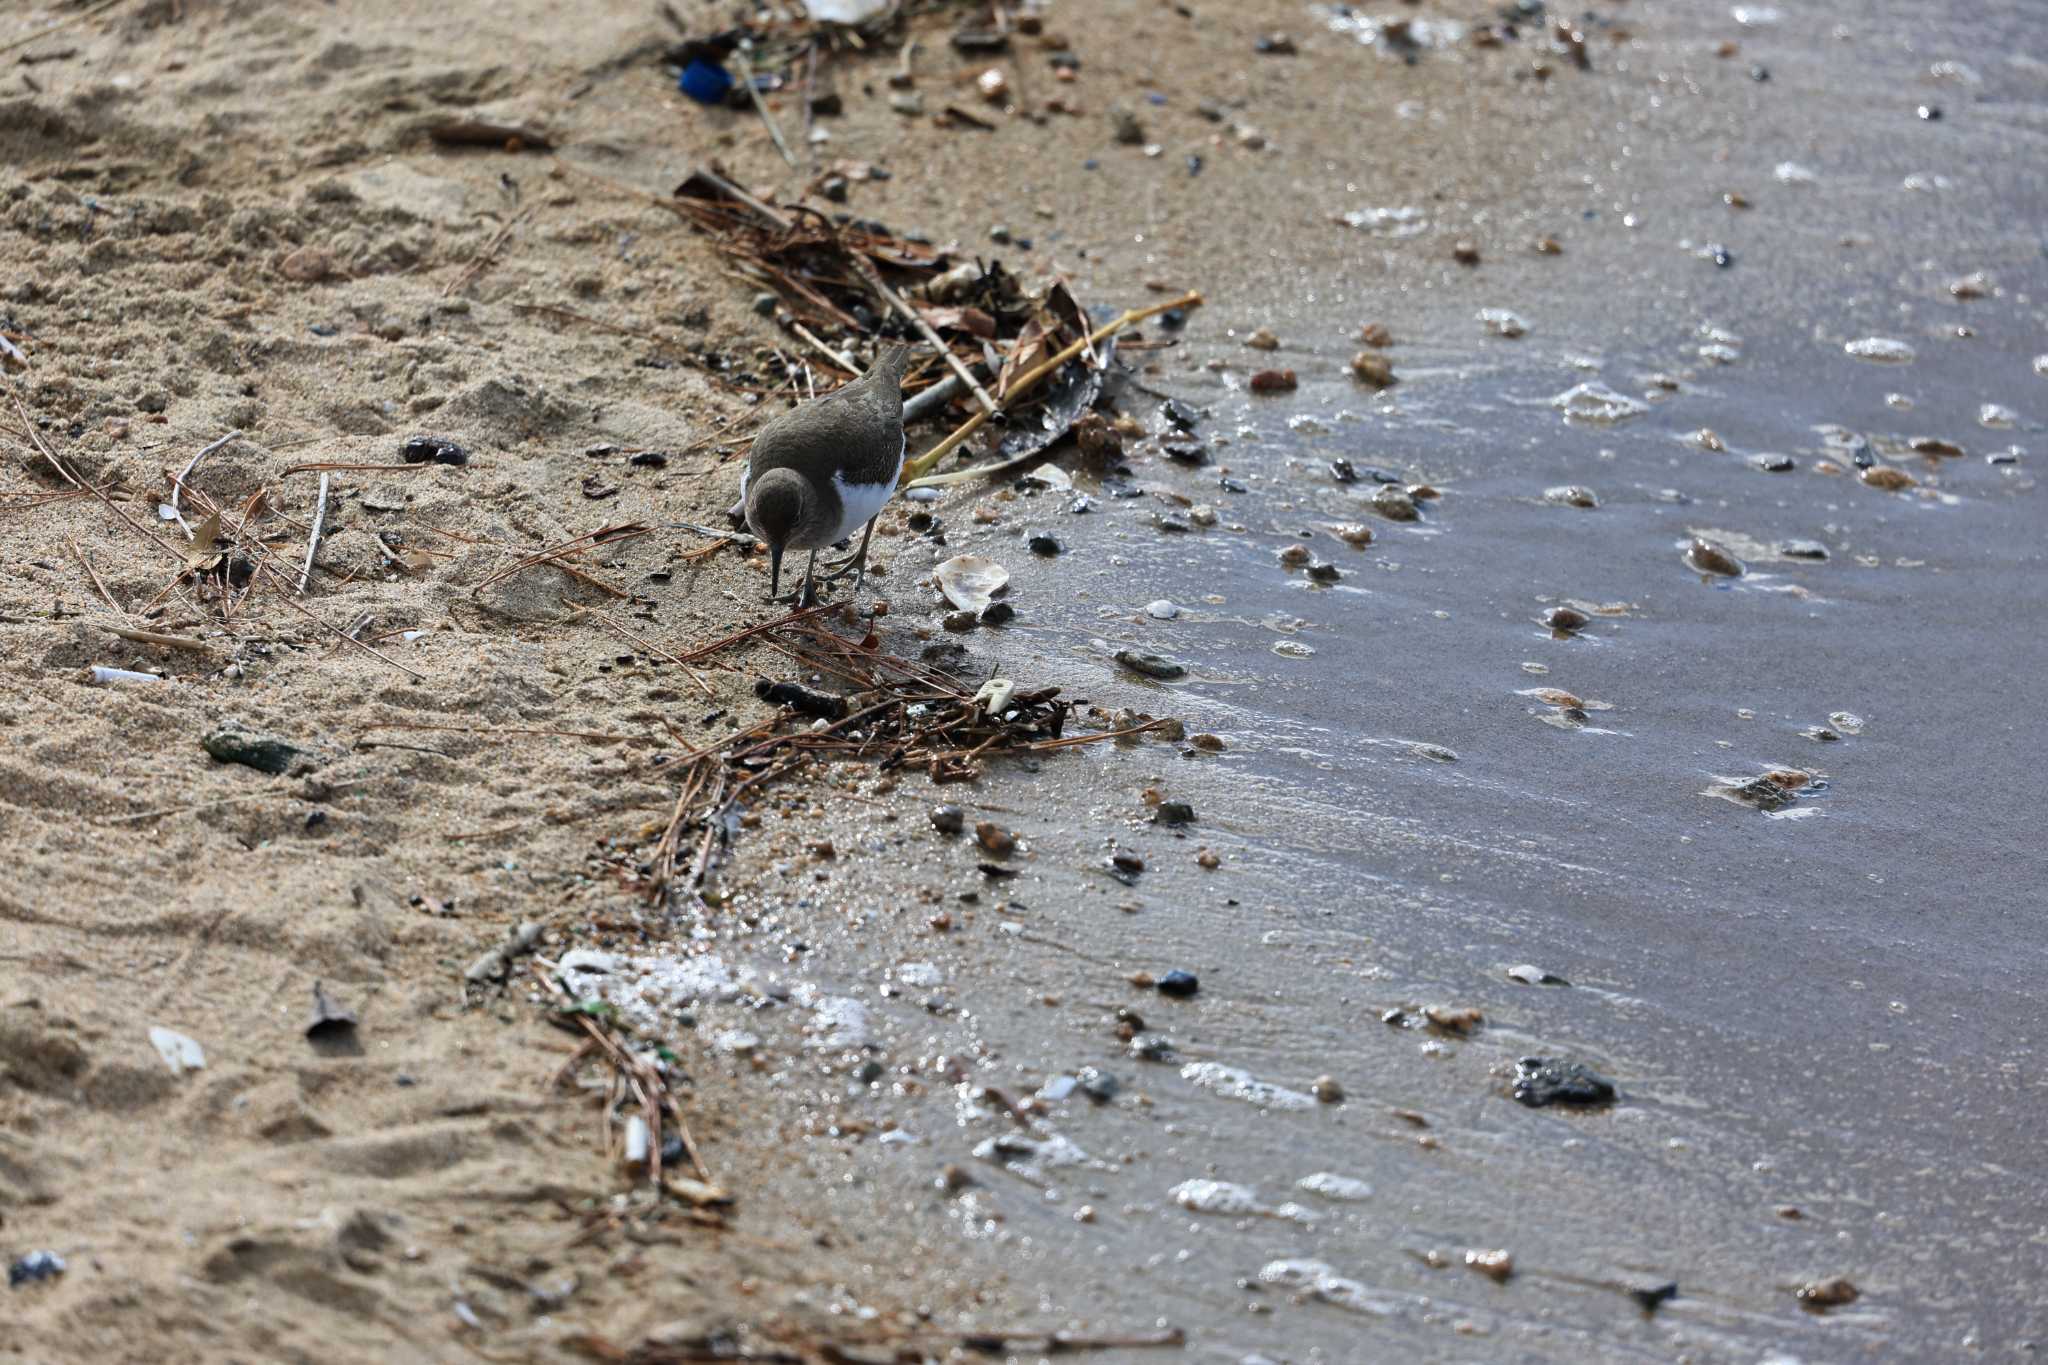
(775, 508)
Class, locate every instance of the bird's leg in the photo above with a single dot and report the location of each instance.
(809, 596)
(857, 562)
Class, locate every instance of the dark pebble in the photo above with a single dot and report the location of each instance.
(1173, 319)
(1177, 982)
(1126, 861)
(998, 614)
(1804, 549)
(432, 450)
(1652, 1297)
(822, 705)
(1776, 464)
(37, 1265)
(650, 459)
(1174, 813)
(870, 1072)
(264, 753)
(1230, 485)
(1043, 543)
(948, 819)
(1929, 112)
(1720, 255)
(1540, 1081)
(1151, 665)
(1325, 573)
(1180, 414)
(1152, 1047)
(1186, 452)
(919, 521)
(1342, 471)
(1759, 73)
(1172, 525)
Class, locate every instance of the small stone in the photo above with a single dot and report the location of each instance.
(1572, 495)
(1207, 860)
(1934, 445)
(307, 265)
(1395, 504)
(1124, 121)
(1803, 549)
(1771, 463)
(952, 1179)
(1043, 543)
(1653, 1296)
(1541, 1081)
(1327, 1089)
(1161, 610)
(1123, 860)
(1273, 381)
(1535, 976)
(1463, 1021)
(1548, 246)
(995, 838)
(1832, 1292)
(1202, 514)
(1354, 535)
(997, 614)
(1890, 480)
(1151, 1047)
(993, 85)
(908, 103)
(1497, 1266)
(765, 304)
(33, 1268)
(1262, 339)
(1502, 323)
(1709, 558)
(1465, 252)
(1323, 572)
(1179, 983)
(1565, 620)
(1376, 335)
(1151, 665)
(1294, 556)
(1174, 813)
(1370, 367)
(1097, 1084)
(948, 819)
(432, 450)
(959, 621)
(265, 753)
(1343, 471)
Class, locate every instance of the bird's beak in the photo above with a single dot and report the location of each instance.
(774, 572)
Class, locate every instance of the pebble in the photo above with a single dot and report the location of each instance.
(1775, 464)
(1179, 983)
(1202, 514)
(958, 621)
(1329, 1091)
(1707, 557)
(34, 1267)
(1651, 1297)
(1207, 860)
(948, 819)
(1395, 504)
(1370, 367)
(1097, 1084)
(1541, 1081)
(1173, 813)
(1832, 1292)
(432, 450)
(1043, 543)
(1502, 323)
(1497, 1266)
(1323, 572)
(1263, 339)
(1273, 381)
(1343, 471)
(1565, 619)
(1996, 416)
(1151, 1047)
(995, 838)
(997, 614)
(1803, 549)
(908, 103)
(265, 753)
(1161, 610)
(1151, 665)
(1535, 976)
(1123, 120)
(1294, 556)
(1126, 861)
(1571, 495)
(1934, 445)
(1354, 535)
(1885, 477)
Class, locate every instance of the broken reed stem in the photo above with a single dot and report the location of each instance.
(178, 484)
(94, 574)
(838, 358)
(761, 108)
(923, 464)
(151, 637)
(359, 468)
(313, 541)
(652, 648)
(484, 257)
(604, 535)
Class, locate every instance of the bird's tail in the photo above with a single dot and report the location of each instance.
(893, 359)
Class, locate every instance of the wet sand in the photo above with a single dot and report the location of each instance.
(1829, 1007)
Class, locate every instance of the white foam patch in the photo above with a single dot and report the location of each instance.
(1242, 1085)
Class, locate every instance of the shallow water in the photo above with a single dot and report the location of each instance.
(1832, 1005)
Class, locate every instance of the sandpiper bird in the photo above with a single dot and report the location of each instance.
(820, 471)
